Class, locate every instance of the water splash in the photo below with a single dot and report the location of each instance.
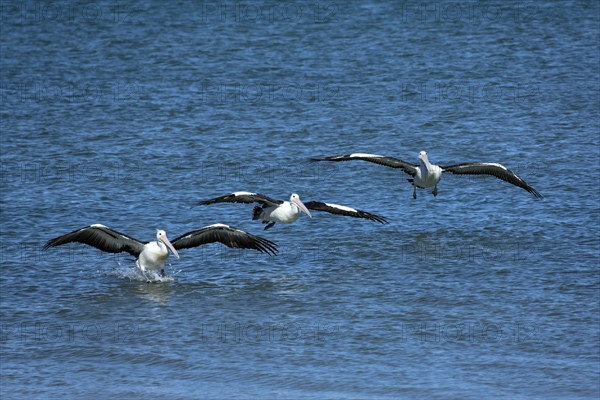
(136, 274)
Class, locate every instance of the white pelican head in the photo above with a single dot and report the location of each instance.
(161, 236)
(423, 157)
(295, 199)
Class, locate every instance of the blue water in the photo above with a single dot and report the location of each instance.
(129, 114)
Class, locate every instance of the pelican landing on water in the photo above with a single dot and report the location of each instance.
(270, 211)
(426, 175)
(152, 256)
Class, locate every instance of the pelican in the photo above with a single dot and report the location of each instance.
(152, 256)
(271, 211)
(426, 175)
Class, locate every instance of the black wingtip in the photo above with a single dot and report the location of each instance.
(266, 246)
(378, 218)
(372, 217)
(50, 243)
(531, 190)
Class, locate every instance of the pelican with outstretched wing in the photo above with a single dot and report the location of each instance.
(271, 211)
(426, 175)
(153, 255)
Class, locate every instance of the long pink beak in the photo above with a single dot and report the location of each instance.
(167, 243)
(301, 206)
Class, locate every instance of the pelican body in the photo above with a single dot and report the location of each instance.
(287, 212)
(426, 175)
(152, 256)
(271, 211)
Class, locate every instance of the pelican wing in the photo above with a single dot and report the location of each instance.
(244, 197)
(229, 236)
(100, 237)
(497, 170)
(391, 162)
(343, 210)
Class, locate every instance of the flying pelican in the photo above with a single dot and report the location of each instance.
(426, 175)
(152, 256)
(271, 211)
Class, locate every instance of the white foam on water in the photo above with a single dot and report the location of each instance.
(135, 274)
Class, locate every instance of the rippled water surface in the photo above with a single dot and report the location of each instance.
(130, 114)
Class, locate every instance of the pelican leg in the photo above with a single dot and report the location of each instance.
(269, 226)
(162, 273)
(435, 192)
(414, 192)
